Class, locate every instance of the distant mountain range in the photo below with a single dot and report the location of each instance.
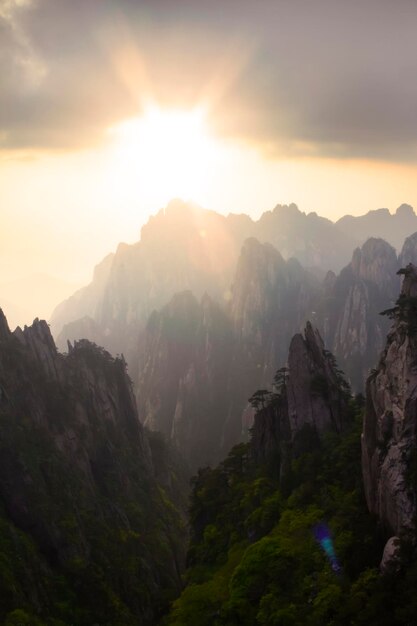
(204, 306)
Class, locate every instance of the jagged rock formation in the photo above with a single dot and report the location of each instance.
(271, 299)
(187, 248)
(349, 314)
(311, 398)
(313, 240)
(261, 298)
(389, 431)
(409, 251)
(181, 248)
(96, 539)
(198, 363)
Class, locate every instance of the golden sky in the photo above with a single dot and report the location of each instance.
(108, 109)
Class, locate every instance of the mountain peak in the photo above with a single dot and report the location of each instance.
(4, 326)
(405, 210)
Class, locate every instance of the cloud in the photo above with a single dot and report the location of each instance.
(296, 78)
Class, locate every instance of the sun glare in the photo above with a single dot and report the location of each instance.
(166, 150)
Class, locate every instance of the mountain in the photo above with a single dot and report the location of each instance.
(279, 530)
(89, 534)
(350, 313)
(248, 339)
(311, 239)
(184, 248)
(390, 426)
(234, 302)
(310, 398)
(183, 373)
(197, 360)
(393, 228)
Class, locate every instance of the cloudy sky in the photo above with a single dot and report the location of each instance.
(313, 102)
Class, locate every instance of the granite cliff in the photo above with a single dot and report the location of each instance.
(350, 320)
(309, 398)
(389, 431)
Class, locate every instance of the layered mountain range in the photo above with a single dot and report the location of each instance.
(201, 311)
(91, 502)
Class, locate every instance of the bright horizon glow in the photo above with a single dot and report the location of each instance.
(167, 150)
(89, 201)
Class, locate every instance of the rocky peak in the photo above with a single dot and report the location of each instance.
(409, 251)
(38, 339)
(314, 391)
(353, 327)
(260, 270)
(405, 211)
(376, 262)
(390, 425)
(311, 397)
(4, 327)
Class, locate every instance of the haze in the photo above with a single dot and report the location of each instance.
(109, 109)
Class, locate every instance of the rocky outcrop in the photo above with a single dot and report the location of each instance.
(390, 424)
(310, 397)
(77, 485)
(315, 393)
(409, 251)
(349, 317)
(271, 300)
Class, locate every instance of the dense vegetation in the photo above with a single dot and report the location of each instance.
(89, 533)
(254, 560)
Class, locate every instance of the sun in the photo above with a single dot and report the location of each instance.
(167, 151)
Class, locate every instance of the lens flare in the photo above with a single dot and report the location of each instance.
(323, 536)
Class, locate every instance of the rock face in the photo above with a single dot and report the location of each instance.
(258, 297)
(181, 248)
(389, 432)
(183, 375)
(198, 362)
(350, 319)
(77, 487)
(310, 399)
(314, 393)
(409, 251)
(271, 299)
